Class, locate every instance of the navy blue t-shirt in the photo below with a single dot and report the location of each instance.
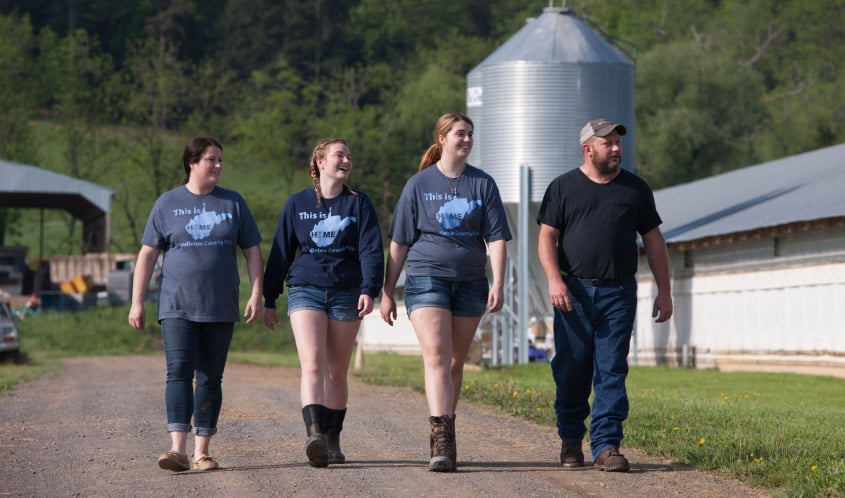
(447, 233)
(334, 245)
(598, 223)
(200, 236)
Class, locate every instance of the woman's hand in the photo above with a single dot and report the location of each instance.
(495, 299)
(365, 305)
(387, 308)
(270, 318)
(137, 316)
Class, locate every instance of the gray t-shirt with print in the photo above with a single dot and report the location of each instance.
(199, 236)
(447, 221)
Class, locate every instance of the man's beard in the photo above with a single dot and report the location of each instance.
(608, 167)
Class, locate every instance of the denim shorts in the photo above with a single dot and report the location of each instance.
(462, 298)
(339, 304)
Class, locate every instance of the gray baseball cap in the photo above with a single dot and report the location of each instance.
(600, 128)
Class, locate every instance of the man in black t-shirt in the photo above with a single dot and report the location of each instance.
(589, 220)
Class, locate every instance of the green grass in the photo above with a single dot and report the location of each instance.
(778, 431)
(781, 432)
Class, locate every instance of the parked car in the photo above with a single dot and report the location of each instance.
(9, 339)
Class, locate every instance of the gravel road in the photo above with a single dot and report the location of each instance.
(96, 428)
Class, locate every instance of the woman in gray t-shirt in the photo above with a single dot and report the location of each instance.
(198, 228)
(448, 218)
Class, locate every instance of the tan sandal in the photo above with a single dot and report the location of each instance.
(174, 462)
(206, 463)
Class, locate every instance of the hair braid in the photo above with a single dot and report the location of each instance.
(320, 153)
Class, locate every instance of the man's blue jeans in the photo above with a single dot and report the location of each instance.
(194, 347)
(591, 350)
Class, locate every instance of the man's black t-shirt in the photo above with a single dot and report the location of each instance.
(598, 223)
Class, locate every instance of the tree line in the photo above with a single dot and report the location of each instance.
(108, 90)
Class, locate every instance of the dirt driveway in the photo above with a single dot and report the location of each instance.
(96, 428)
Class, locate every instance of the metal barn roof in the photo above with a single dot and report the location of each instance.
(800, 188)
(28, 186)
(23, 186)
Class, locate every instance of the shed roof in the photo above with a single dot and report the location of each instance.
(27, 186)
(801, 188)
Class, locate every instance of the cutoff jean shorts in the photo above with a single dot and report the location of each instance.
(338, 304)
(467, 298)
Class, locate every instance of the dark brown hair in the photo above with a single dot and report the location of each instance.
(193, 152)
(442, 128)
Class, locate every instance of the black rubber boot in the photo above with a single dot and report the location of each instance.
(315, 446)
(442, 444)
(333, 426)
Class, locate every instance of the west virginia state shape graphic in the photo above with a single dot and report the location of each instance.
(326, 230)
(452, 213)
(201, 225)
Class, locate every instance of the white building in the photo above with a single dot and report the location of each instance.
(757, 257)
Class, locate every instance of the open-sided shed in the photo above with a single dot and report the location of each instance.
(23, 186)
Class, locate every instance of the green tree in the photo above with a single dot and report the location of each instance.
(251, 34)
(73, 71)
(271, 126)
(17, 100)
(698, 119)
(149, 96)
(805, 74)
(18, 87)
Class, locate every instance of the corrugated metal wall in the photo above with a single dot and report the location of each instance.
(742, 304)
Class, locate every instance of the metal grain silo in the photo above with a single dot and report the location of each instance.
(529, 100)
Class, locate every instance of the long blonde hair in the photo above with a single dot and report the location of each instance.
(320, 153)
(442, 127)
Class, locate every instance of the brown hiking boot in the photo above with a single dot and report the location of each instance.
(571, 455)
(610, 460)
(453, 453)
(442, 445)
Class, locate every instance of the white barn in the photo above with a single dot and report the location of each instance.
(757, 258)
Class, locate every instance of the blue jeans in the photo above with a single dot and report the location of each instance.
(591, 350)
(191, 347)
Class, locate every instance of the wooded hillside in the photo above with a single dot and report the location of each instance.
(109, 90)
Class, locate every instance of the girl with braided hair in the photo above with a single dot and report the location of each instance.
(328, 250)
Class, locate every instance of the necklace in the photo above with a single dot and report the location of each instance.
(453, 187)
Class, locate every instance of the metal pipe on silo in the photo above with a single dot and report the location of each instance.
(522, 282)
